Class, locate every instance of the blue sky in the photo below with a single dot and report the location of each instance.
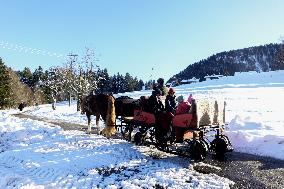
(134, 35)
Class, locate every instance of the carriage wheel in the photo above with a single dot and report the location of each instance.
(206, 144)
(152, 135)
(226, 139)
(122, 129)
(228, 142)
(126, 134)
(198, 150)
(219, 146)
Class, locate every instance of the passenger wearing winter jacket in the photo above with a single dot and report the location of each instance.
(183, 107)
(154, 103)
(170, 103)
(162, 87)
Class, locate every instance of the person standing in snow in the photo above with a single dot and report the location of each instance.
(162, 87)
(21, 106)
(170, 103)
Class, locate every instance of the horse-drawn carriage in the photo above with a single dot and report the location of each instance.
(193, 134)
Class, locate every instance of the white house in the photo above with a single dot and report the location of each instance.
(188, 81)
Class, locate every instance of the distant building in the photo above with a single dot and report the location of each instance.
(168, 84)
(189, 81)
(211, 77)
(172, 84)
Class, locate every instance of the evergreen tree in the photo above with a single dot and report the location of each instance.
(26, 77)
(5, 90)
(13, 91)
(279, 59)
(117, 83)
(38, 76)
(47, 91)
(122, 85)
(103, 81)
(139, 85)
(106, 81)
(114, 84)
(128, 83)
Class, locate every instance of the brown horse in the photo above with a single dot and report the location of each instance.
(100, 105)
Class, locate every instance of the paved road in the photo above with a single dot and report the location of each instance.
(246, 170)
(62, 124)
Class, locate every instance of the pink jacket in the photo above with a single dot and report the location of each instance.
(183, 108)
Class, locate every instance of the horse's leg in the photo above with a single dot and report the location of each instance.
(97, 120)
(89, 122)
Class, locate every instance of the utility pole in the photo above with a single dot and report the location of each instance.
(73, 58)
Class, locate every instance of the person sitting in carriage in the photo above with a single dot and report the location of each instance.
(170, 103)
(183, 106)
(162, 87)
(155, 104)
(162, 117)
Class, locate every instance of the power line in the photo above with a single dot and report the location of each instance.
(24, 49)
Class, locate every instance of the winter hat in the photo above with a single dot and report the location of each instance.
(171, 91)
(160, 81)
(180, 99)
(190, 98)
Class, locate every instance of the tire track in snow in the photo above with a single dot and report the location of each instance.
(77, 174)
(40, 175)
(62, 124)
(11, 160)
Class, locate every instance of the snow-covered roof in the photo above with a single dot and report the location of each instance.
(213, 76)
(189, 80)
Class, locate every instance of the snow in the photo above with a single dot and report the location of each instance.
(254, 110)
(37, 154)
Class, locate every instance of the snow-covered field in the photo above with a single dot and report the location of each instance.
(35, 154)
(254, 110)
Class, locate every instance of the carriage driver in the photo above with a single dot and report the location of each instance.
(155, 103)
(162, 87)
(170, 103)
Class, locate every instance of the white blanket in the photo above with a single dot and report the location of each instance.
(210, 112)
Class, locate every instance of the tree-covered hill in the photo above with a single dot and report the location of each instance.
(259, 58)
(13, 91)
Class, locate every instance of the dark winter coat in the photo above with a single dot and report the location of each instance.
(170, 104)
(155, 104)
(21, 106)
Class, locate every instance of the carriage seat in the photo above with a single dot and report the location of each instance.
(143, 117)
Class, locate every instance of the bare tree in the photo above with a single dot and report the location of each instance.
(76, 78)
(54, 83)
